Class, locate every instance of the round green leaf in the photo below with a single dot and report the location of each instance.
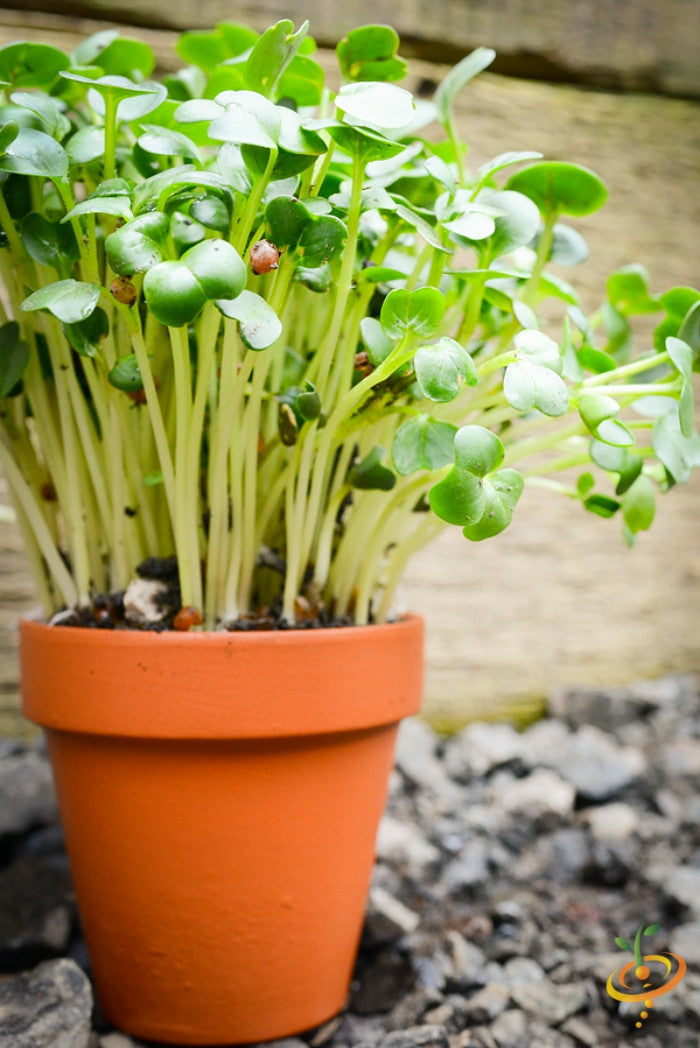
(272, 54)
(26, 64)
(218, 267)
(557, 186)
(70, 301)
(211, 212)
(49, 111)
(458, 498)
(164, 141)
(515, 224)
(527, 386)
(286, 220)
(363, 142)
(302, 81)
(138, 245)
(125, 375)
(123, 56)
(478, 450)
(370, 474)
(173, 293)
(14, 357)
(381, 105)
(8, 133)
(376, 340)
(50, 243)
(119, 206)
(86, 145)
(678, 454)
(501, 493)
(419, 312)
(628, 291)
(321, 240)
(423, 443)
(35, 153)
(535, 347)
(639, 505)
(370, 53)
(569, 248)
(440, 367)
(86, 335)
(602, 505)
(259, 325)
(207, 48)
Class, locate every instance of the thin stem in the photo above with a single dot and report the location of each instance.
(26, 500)
(186, 514)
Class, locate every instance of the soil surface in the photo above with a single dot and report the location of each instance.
(558, 597)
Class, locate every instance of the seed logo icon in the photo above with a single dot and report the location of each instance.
(647, 976)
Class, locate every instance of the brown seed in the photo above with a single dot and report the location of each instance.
(287, 425)
(123, 290)
(139, 395)
(362, 363)
(264, 257)
(48, 492)
(186, 618)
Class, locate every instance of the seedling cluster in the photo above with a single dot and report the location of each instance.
(280, 333)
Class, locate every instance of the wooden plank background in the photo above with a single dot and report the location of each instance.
(557, 598)
(649, 45)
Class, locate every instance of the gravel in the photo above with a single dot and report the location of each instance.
(507, 864)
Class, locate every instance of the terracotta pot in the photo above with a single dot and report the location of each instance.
(220, 795)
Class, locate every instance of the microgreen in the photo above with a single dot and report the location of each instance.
(252, 320)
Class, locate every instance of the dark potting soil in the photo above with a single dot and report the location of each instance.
(108, 610)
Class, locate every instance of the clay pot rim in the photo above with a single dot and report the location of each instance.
(221, 685)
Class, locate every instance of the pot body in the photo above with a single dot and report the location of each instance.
(220, 795)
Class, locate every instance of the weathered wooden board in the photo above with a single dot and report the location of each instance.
(557, 598)
(641, 44)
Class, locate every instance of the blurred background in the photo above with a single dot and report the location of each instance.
(558, 599)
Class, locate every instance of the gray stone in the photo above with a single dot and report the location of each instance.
(48, 1007)
(416, 757)
(542, 1036)
(615, 821)
(570, 852)
(542, 739)
(522, 971)
(469, 869)
(681, 758)
(412, 1008)
(404, 843)
(510, 1029)
(147, 601)
(685, 941)
(595, 765)
(485, 1005)
(581, 1032)
(466, 961)
(541, 792)
(683, 885)
(480, 748)
(286, 1042)
(387, 918)
(27, 796)
(35, 912)
(549, 1002)
(120, 1040)
(426, 1036)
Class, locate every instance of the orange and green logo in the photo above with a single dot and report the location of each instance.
(646, 976)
